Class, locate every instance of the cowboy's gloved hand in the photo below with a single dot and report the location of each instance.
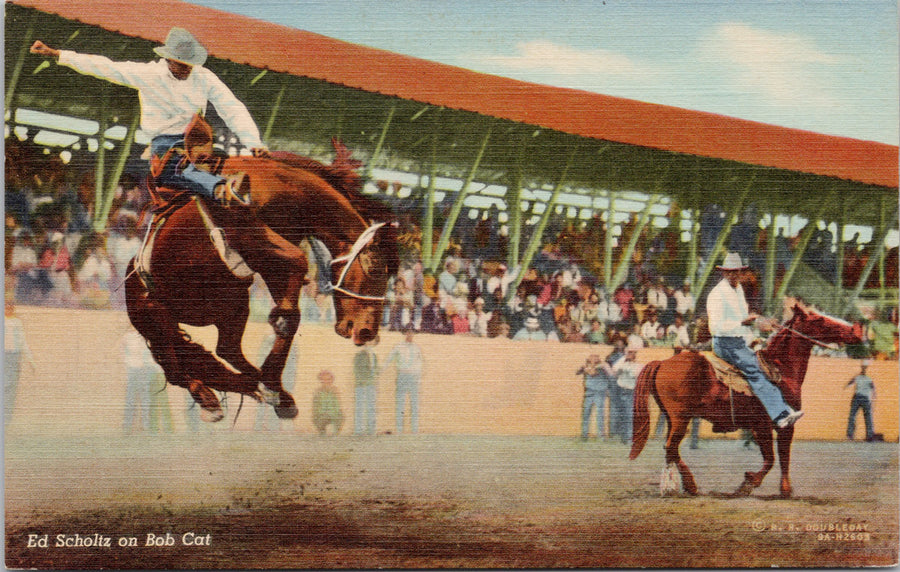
(261, 152)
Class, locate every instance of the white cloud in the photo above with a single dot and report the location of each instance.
(547, 57)
(788, 69)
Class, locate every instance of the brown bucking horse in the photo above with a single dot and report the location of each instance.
(292, 198)
(685, 386)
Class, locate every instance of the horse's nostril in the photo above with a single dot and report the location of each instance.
(365, 335)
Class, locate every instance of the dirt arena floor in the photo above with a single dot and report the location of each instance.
(496, 479)
(257, 500)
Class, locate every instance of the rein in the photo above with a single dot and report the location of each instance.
(363, 241)
(805, 337)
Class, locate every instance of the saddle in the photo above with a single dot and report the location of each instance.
(732, 377)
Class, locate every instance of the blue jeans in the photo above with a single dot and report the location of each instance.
(190, 178)
(408, 385)
(735, 351)
(626, 402)
(364, 410)
(860, 402)
(594, 399)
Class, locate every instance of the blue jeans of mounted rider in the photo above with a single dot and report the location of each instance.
(189, 178)
(734, 350)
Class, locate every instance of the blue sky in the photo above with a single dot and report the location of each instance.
(824, 66)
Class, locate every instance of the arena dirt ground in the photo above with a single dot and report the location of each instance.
(282, 500)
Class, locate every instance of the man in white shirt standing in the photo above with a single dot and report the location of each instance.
(729, 323)
(407, 357)
(171, 92)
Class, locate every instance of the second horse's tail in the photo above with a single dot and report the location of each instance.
(641, 419)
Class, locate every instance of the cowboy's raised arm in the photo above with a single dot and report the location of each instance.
(42, 49)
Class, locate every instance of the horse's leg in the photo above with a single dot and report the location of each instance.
(678, 425)
(231, 329)
(785, 438)
(763, 435)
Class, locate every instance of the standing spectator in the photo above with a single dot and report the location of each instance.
(479, 319)
(684, 301)
(15, 351)
(650, 328)
(447, 281)
(657, 297)
(365, 375)
(863, 396)
(596, 386)
(626, 371)
(140, 370)
(616, 413)
(326, 408)
(407, 358)
(677, 334)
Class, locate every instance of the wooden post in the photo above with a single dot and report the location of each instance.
(384, 131)
(625, 262)
(538, 233)
(801, 247)
(877, 242)
(458, 204)
(723, 235)
(124, 152)
(20, 63)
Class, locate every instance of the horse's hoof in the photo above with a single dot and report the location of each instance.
(786, 494)
(211, 416)
(267, 396)
(744, 490)
(286, 408)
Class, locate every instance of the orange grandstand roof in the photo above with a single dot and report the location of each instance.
(262, 44)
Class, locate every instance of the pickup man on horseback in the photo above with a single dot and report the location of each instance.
(172, 91)
(729, 323)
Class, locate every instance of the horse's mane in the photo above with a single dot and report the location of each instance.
(343, 176)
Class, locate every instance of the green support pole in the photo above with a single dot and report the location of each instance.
(514, 207)
(625, 262)
(697, 289)
(100, 165)
(801, 248)
(771, 251)
(124, 152)
(839, 263)
(882, 287)
(20, 63)
(867, 270)
(428, 216)
(380, 143)
(693, 246)
(536, 237)
(450, 223)
(275, 107)
(608, 242)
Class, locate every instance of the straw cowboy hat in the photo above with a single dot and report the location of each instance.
(732, 262)
(182, 47)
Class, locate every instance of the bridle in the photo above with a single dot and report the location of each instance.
(805, 337)
(363, 241)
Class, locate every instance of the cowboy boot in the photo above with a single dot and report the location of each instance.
(233, 189)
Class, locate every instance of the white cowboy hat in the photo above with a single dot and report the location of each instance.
(182, 47)
(732, 262)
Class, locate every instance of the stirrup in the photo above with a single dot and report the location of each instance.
(231, 191)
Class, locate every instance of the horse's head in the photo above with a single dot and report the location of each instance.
(359, 292)
(822, 328)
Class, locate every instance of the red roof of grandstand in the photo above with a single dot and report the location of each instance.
(253, 42)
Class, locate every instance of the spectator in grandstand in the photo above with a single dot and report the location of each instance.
(401, 312)
(650, 328)
(596, 388)
(684, 301)
(447, 281)
(434, 318)
(729, 324)
(407, 358)
(24, 271)
(365, 375)
(531, 330)
(634, 337)
(94, 271)
(597, 332)
(626, 370)
(677, 334)
(326, 407)
(657, 297)
(15, 353)
(863, 397)
(56, 263)
(172, 90)
(623, 297)
(479, 319)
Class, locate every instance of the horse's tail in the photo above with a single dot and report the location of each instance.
(641, 419)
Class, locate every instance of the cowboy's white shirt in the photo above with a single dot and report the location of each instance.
(168, 104)
(726, 308)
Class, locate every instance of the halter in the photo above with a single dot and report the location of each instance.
(363, 241)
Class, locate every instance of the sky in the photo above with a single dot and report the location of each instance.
(825, 66)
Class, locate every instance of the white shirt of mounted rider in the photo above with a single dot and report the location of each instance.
(168, 104)
(726, 308)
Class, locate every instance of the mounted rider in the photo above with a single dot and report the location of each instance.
(729, 323)
(172, 91)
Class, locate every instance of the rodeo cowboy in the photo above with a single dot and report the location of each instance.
(729, 323)
(172, 91)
